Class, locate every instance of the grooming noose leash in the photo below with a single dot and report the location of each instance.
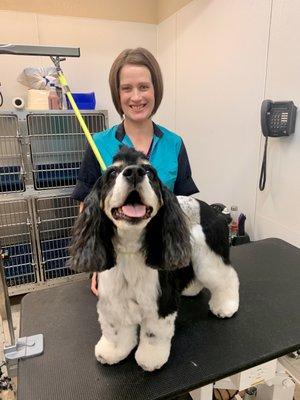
(62, 80)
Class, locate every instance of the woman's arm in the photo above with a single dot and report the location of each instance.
(89, 172)
(184, 184)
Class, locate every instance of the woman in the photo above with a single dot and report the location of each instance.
(136, 86)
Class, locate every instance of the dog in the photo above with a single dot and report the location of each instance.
(148, 247)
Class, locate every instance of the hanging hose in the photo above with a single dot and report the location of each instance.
(81, 121)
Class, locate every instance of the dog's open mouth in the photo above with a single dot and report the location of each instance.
(133, 209)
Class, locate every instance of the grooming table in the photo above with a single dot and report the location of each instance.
(205, 348)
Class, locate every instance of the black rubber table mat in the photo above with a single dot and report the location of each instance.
(204, 348)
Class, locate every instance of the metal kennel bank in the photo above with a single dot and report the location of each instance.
(40, 155)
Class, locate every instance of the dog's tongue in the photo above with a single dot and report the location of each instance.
(134, 210)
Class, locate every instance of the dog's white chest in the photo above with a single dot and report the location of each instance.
(131, 288)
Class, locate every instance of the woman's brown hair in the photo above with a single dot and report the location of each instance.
(138, 56)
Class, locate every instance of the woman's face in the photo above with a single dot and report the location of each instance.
(136, 92)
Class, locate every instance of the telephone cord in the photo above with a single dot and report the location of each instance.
(263, 172)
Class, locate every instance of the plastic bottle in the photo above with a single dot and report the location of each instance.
(233, 227)
(53, 98)
(60, 96)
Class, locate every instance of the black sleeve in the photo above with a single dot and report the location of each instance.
(89, 172)
(184, 184)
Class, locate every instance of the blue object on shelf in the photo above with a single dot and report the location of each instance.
(55, 252)
(56, 174)
(10, 179)
(19, 268)
(84, 101)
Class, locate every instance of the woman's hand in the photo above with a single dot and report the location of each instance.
(94, 284)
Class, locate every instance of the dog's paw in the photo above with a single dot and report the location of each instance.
(152, 356)
(223, 308)
(107, 352)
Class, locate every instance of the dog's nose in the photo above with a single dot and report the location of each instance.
(134, 174)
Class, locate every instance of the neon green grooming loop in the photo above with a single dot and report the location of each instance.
(81, 121)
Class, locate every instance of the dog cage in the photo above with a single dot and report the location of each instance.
(55, 218)
(11, 168)
(57, 145)
(40, 159)
(17, 242)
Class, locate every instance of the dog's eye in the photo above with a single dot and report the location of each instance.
(149, 172)
(112, 173)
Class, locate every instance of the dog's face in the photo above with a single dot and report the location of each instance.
(129, 196)
(131, 191)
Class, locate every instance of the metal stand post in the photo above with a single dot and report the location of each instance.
(281, 387)
(5, 311)
(203, 393)
(24, 347)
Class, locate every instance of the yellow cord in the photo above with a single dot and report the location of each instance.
(81, 121)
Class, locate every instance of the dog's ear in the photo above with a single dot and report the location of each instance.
(167, 240)
(91, 247)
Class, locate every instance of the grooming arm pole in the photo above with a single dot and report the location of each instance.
(24, 347)
(28, 50)
(57, 55)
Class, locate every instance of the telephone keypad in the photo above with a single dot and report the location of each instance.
(278, 120)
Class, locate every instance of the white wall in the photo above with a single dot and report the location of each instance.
(219, 79)
(277, 207)
(218, 65)
(100, 42)
(167, 57)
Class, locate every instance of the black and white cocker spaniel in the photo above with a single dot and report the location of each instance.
(149, 247)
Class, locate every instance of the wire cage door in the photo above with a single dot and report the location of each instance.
(55, 218)
(11, 165)
(16, 239)
(40, 157)
(57, 146)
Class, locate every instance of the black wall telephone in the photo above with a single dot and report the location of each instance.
(277, 119)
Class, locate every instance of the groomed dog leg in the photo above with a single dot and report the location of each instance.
(155, 342)
(116, 341)
(193, 288)
(221, 279)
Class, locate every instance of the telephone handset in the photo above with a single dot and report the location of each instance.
(278, 118)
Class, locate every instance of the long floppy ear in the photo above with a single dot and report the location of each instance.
(91, 248)
(167, 240)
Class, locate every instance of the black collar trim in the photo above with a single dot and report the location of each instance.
(120, 133)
